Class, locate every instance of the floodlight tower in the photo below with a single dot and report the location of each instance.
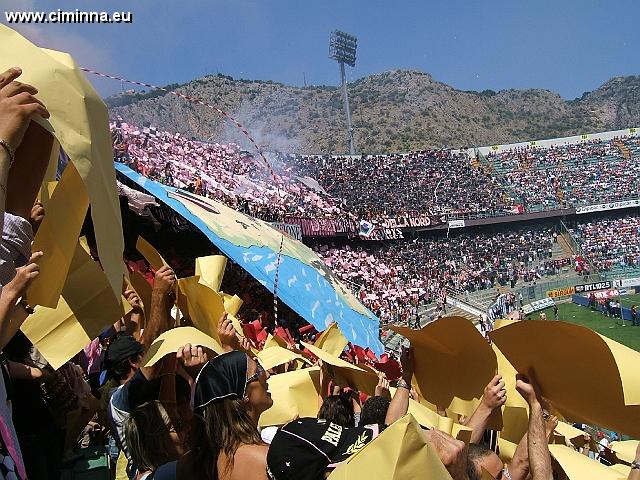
(342, 48)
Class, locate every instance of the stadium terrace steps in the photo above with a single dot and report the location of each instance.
(486, 297)
(565, 246)
(393, 341)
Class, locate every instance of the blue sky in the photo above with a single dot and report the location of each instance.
(568, 46)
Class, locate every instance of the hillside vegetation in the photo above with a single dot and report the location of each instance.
(393, 111)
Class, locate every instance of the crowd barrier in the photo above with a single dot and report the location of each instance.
(584, 302)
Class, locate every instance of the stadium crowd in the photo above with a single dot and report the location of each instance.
(433, 182)
(394, 279)
(610, 243)
(222, 172)
(430, 181)
(196, 411)
(570, 175)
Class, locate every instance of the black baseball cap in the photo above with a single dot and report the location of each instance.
(123, 347)
(305, 448)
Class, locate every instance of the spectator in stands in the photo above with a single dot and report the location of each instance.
(610, 243)
(230, 395)
(337, 409)
(394, 279)
(124, 357)
(568, 175)
(152, 438)
(18, 106)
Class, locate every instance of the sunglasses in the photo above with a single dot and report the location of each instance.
(256, 376)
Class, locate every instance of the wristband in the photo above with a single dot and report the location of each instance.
(27, 308)
(10, 152)
(635, 465)
(403, 384)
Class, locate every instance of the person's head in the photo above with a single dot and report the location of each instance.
(151, 437)
(337, 409)
(308, 448)
(374, 410)
(123, 357)
(480, 457)
(230, 394)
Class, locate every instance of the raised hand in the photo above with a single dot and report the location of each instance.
(18, 105)
(495, 395)
(452, 453)
(408, 364)
(192, 356)
(227, 334)
(36, 216)
(527, 386)
(132, 298)
(165, 280)
(18, 287)
(383, 385)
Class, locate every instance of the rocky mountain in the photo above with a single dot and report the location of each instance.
(394, 111)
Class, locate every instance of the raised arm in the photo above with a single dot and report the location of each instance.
(537, 444)
(400, 402)
(12, 315)
(159, 316)
(495, 395)
(18, 106)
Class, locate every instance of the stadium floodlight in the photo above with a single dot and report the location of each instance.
(342, 48)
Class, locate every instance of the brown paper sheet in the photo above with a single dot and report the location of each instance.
(453, 364)
(567, 359)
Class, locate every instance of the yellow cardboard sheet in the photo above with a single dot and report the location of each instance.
(568, 432)
(503, 322)
(430, 419)
(295, 395)
(352, 375)
(515, 422)
(151, 255)
(211, 270)
(80, 122)
(568, 359)
(621, 468)
(172, 340)
(274, 341)
(580, 467)
(332, 340)
(87, 306)
(329, 358)
(232, 303)
(143, 289)
(275, 356)
(205, 306)
(58, 236)
(625, 450)
(400, 452)
(515, 416)
(453, 364)
(508, 373)
(507, 449)
(360, 380)
(46, 190)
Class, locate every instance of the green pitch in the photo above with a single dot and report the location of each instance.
(606, 326)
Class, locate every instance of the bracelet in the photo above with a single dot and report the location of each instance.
(403, 384)
(635, 465)
(27, 308)
(7, 147)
